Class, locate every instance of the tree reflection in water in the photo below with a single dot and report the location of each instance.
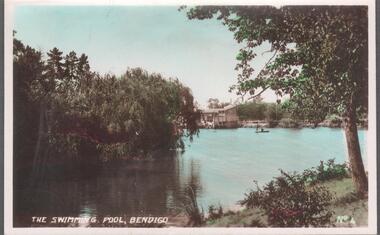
(139, 188)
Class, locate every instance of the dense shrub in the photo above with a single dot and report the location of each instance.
(257, 223)
(215, 212)
(289, 201)
(326, 171)
(288, 123)
(334, 120)
(194, 213)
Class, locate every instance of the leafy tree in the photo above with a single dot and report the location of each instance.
(63, 109)
(83, 65)
(252, 111)
(27, 68)
(320, 58)
(258, 110)
(54, 64)
(214, 103)
(70, 65)
(273, 112)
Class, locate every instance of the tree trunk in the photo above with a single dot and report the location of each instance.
(358, 173)
(41, 149)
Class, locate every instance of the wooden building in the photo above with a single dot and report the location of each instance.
(220, 118)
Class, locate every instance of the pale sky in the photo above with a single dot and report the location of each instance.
(201, 54)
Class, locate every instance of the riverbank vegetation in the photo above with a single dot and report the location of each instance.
(348, 210)
(259, 110)
(64, 112)
(280, 115)
(317, 197)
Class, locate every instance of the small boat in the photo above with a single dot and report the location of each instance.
(262, 131)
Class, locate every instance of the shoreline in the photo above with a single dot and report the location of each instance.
(289, 123)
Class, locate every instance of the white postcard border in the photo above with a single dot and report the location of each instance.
(8, 125)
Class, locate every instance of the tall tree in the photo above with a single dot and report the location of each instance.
(83, 65)
(320, 58)
(214, 103)
(27, 70)
(71, 66)
(54, 63)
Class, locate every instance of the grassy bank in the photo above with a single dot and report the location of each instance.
(345, 203)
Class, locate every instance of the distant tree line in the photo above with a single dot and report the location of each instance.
(65, 111)
(259, 110)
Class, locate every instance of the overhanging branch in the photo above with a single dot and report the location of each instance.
(267, 87)
(256, 95)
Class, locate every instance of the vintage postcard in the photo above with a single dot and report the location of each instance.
(190, 117)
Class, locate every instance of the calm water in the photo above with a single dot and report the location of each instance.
(221, 165)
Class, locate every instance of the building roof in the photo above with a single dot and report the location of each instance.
(210, 110)
(228, 107)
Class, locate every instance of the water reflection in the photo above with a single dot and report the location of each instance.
(143, 188)
(219, 166)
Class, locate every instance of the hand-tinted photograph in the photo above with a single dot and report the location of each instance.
(191, 116)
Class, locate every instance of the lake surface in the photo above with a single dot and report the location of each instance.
(220, 165)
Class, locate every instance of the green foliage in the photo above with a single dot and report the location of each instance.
(319, 58)
(334, 120)
(27, 67)
(258, 110)
(257, 224)
(289, 123)
(320, 54)
(62, 106)
(214, 103)
(326, 171)
(274, 112)
(348, 198)
(289, 202)
(215, 212)
(252, 111)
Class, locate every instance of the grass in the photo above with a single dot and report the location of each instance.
(243, 218)
(345, 203)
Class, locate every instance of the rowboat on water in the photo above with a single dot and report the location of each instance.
(261, 130)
